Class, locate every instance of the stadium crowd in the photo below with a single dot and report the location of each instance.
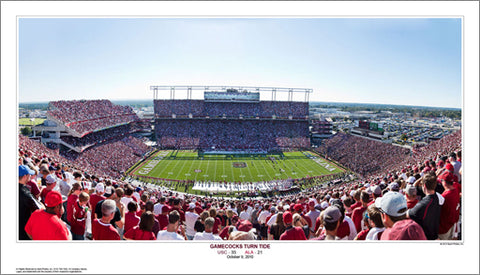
(200, 109)
(231, 134)
(85, 116)
(418, 200)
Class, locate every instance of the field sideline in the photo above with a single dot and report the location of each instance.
(188, 166)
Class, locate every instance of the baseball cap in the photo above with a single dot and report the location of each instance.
(447, 176)
(394, 186)
(244, 225)
(53, 199)
(287, 217)
(324, 205)
(100, 187)
(50, 179)
(410, 190)
(411, 180)
(392, 203)
(298, 207)
(25, 170)
(191, 205)
(376, 190)
(311, 203)
(331, 214)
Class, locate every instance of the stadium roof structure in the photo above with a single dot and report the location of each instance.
(190, 89)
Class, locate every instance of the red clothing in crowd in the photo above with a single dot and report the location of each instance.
(411, 203)
(131, 220)
(94, 199)
(343, 230)
(356, 205)
(33, 187)
(162, 221)
(44, 193)
(216, 225)
(78, 220)
(357, 216)
(293, 233)
(46, 226)
(404, 230)
(138, 234)
(450, 210)
(72, 199)
(363, 235)
(102, 231)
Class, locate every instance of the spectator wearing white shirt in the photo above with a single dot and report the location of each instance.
(207, 235)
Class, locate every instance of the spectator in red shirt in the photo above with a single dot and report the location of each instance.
(131, 219)
(51, 181)
(450, 209)
(98, 195)
(218, 223)
(393, 206)
(46, 224)
(143, 231)
(356, 197)
(102, 229)
(80, 210)
(163, 218)
(358, 212)
(331, 222)
(291, 232)
(72, 199)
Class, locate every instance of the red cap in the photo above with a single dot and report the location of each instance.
(298, 207)
(53, 199)
(448, 177)
(244, 225)
(311, 203)
(287, 217)
(449, 167)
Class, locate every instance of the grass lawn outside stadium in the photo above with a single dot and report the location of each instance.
(187, 165)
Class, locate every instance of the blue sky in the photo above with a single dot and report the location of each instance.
(410, 61)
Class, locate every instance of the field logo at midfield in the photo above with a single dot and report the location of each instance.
(324, 164)
(150, 165)
(239, 164)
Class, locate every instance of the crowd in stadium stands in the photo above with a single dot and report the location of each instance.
(200, 108)
(362, 155)
(231, 134)
(98, 137)
(85, 116)
(414, 199)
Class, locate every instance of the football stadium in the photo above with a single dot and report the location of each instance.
(229, 166)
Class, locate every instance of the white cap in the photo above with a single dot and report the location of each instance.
(100, 187)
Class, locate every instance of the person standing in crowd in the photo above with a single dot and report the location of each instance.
(427, 211)
(144, 230)
(207, 235)
(190, 219)
(450, 212)
(51, 182)
(173, 225)
(376, 224)
(411, 196)
(46, 224)
(101, 228)
(72, 199)
(291, 232)
(163, 217)
(131, 218)
(79, 218)
(393, 207)
(358, 212)
(331, 222)
(27, 203)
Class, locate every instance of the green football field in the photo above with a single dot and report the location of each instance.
(186, 165)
